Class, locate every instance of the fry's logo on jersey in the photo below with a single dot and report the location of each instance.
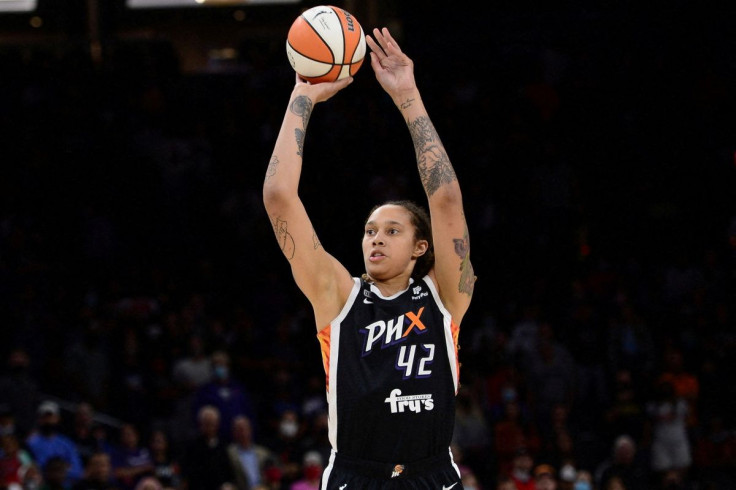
(413, 403)
(393, 331)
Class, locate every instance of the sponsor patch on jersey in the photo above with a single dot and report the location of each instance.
(409, 403)
(418, 293)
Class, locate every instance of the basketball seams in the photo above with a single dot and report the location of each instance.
(320, 45)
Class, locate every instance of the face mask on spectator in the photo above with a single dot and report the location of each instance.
(221, 372)
(582, 485)
(288, 428)
(312, 472)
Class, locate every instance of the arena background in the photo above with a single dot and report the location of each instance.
(594, 142)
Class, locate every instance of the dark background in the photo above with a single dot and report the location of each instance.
(594, 142)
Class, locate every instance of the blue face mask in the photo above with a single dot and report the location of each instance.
(221, 372)
(582, 485)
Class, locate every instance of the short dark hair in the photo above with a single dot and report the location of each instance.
(423, 231)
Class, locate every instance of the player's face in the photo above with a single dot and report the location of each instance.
(389, 246)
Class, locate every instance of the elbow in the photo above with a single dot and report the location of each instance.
(448, 196)
(275, 196)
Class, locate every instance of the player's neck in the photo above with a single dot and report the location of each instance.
(390, 287)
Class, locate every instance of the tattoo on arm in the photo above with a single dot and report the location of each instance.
(467, 275)
(301, 106)
(315, 240)
(299, 136)
(435, 169)
(271, 170)
(406, 104)
(286, 241)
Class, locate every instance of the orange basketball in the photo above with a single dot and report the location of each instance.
(325, 44)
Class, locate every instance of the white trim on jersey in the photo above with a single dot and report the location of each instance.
(328, 470)
(447, 324)
(334, 356)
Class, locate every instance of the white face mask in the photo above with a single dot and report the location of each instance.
(288, 428)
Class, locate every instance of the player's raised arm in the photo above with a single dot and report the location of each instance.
(453, 271)
(321, 278)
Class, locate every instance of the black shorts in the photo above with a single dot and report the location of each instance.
(434, 473)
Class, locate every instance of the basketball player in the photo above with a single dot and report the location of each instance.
(389, 338)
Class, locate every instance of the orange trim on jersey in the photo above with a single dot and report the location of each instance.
(324, 344)
(455, 331)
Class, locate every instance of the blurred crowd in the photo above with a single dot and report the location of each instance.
(152, 335)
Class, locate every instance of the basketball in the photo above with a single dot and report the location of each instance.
(325, 44)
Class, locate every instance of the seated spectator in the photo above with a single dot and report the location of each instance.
(130, 460)
(505, 483)
(670, 449)
(166, 469)
(521, 470)
(84, 433)
(225, 393)
(46, 442)
(249, 456)
(14, 461)
(583, 480)
(545, 477)
(97, 474)
(149, 483)
(511, 432)
(206, 465)
(55, 472)
(312, 467)
(625, 465)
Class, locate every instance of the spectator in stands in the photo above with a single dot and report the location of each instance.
(130, 460)
(82, 431)
(551, 373)
(225, 393)
(14, 461)
(684, 383)
(668, 414)
(471, 433)
(166, 468)
(97, 474)
(312, 466)
(521, 470)
(206, 464)
(19, 390)
(46, 442)
(624, 464)
(249, 456)
(195, 369)
(55, 474)
(511, 432)
(545, 477)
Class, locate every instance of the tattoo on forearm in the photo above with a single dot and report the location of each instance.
(299, 136)
(406, 104)
(315, 240)
(302, 107)
(467, 275)
(435, 169)
(286, 241)
(271, 170)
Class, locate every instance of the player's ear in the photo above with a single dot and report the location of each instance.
(420, 248)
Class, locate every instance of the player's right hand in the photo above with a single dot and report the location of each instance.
(320, 92)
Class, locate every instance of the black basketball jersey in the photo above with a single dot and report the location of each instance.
(392, 374)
